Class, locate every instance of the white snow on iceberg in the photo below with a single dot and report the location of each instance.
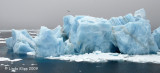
(98, 56)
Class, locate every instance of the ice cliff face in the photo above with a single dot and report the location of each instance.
(88, 34)
(132, 34)
(134, 38)
(129, 34)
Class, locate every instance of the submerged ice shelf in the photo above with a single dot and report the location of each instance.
(98, 56)
(129, 34)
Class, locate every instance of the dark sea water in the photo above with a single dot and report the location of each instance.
(31, 64)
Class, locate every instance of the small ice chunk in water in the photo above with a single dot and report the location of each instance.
(7, 59)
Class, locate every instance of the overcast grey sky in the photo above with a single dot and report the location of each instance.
(31, 14)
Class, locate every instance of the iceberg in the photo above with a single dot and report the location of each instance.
(134, 37)
(88, 34)
(21, 42)
(129, 34)
(156, 35)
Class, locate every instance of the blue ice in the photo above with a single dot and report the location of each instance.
(88, 34)
(129, 34)
(49, 42)
(156, 35)
(21, 42)
(132, 34)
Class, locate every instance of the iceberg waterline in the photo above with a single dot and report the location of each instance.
(129, 34)
(98, 56)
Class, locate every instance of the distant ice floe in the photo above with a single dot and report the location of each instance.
(104, 57)
(2, 39)
(1, 42)
(7, 59)
(32, 30)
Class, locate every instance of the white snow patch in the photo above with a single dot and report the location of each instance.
(30, 53)
(104, 57)
(7, 59)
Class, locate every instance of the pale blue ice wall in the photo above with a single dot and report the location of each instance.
(88, 34)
